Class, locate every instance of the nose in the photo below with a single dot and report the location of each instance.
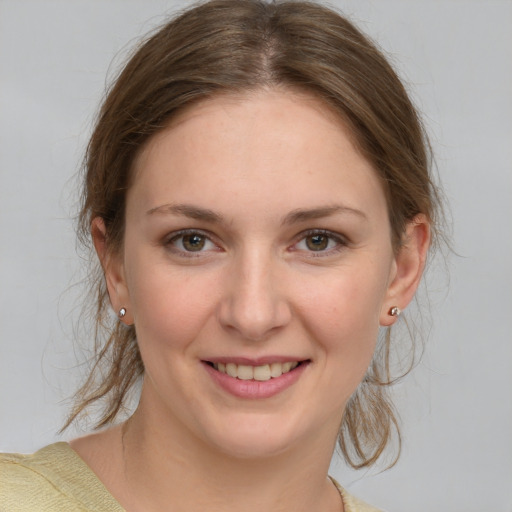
(254, 303)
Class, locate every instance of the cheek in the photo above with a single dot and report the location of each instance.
(343, 313)
(170, 305)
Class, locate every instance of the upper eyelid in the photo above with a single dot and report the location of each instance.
(189, 231)
(341, 243)
(176, 235)
(341, 239)
(332, 234)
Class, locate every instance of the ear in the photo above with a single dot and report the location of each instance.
(408, 268)
(113, 270)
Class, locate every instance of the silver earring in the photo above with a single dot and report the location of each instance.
(122, 313)
(394, 311)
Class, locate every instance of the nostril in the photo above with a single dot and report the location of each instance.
(252, 312)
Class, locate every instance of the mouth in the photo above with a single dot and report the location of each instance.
(261, 373)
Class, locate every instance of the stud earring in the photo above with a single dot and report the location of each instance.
(122, 313)
(394, 311)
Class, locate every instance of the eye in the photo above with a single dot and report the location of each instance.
(317, 242)
(320, 241)
(190, 242)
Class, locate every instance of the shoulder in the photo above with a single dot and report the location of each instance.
(52, 479)
(27, 483)
(353, 504)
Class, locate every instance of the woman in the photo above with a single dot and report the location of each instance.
(258, 195)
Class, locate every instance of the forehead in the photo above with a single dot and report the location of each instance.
(263, 147)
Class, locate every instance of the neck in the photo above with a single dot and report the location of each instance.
(167, 468)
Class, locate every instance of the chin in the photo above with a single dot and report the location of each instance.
(257, 437)
(254, 447)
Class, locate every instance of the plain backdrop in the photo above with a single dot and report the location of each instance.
(455, 56)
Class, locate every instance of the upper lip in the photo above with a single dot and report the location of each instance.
(255, 361)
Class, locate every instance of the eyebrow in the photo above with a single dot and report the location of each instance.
(294, 217)
(187, 210)
(301, 215)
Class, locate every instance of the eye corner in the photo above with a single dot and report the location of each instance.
(191, 243)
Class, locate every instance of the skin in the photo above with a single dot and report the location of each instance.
(260, 176)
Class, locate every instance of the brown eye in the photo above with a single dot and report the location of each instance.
(317, 242)
(193, 242)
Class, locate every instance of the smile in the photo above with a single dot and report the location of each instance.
(260, 373)
(259, 380)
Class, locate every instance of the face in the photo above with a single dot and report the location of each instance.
(257, 268)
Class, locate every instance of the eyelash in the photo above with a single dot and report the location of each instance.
(340, 241)
(174, 237)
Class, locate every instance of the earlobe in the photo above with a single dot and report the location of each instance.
(409, 265)
(113, 271)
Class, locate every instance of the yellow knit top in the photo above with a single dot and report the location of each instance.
(56, 479)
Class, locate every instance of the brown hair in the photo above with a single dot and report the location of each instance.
(226, 46)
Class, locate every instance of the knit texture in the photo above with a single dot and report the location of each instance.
(53, 479)
(56, 479)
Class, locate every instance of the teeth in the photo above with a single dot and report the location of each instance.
(231, 370)
(276, 369)
(260, 373)
(287, 367)
(245, 372)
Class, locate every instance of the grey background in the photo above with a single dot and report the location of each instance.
(457, 58)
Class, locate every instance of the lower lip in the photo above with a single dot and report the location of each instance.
(255, 389)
